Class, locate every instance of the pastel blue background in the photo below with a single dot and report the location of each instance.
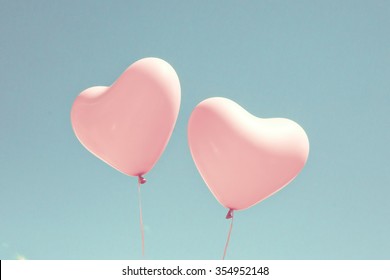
(324, 64)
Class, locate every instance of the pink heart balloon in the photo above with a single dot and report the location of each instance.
(128, 124)
(244, 159)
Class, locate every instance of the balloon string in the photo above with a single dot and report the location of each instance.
(228, 216)
(141, 180)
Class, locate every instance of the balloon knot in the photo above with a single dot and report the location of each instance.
(141, 180)
(229, 215)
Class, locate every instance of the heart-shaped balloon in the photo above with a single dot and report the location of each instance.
(128, 124)
(244, 159)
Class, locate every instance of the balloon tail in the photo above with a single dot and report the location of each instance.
(141, 180)
(230, 215)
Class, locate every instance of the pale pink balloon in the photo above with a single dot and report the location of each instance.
(128, 124)
(244, 159)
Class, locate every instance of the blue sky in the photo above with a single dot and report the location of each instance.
(323, 64)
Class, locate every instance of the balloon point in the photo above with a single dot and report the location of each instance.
(141, 180)
(229, 215)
